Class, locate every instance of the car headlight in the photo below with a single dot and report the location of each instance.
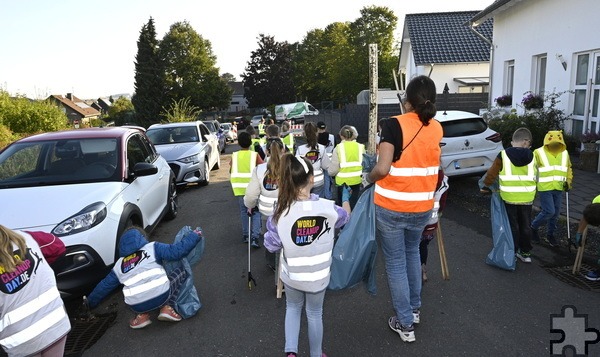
(87, 218)
(194, 159)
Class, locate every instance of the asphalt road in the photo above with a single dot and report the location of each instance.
(480, 311)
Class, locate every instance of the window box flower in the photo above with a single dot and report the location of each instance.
(504, 100)
(532, 101)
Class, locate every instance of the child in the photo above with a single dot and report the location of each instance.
(591, 215)
(263, 187)
(516, 170)
(243, 163)
(302, 226)
(327, 140)
(146, 285)
(430, 229)
(555, 176)
(29, 298)
(256, 143)
(287, 137)
(346, 164)
(315, 153)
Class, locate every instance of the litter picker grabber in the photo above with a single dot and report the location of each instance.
(571, 243)
(250, 278)
(278, 277)
(579, 256)
(442, 251)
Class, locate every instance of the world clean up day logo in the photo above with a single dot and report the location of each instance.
(308, 229)
(15, 280)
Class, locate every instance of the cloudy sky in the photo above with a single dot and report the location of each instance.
(88, 47)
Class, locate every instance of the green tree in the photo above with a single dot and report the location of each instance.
(180, 111)
(190, 70)
(23, 116)
(149, 77)
(269, 75)
(122, 112)
(228, 77)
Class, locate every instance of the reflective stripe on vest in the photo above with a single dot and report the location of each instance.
(261, 129)
(412, 180)
(156, 277)
(517, 183)
(350, 155)
(35, 329)
(242, 165)
(552, 171)
(318, 178)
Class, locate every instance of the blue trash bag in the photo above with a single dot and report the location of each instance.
(503, 252)
(188, 302)
(355, 251)
(368, 162)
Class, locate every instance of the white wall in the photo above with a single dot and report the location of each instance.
(534, 27)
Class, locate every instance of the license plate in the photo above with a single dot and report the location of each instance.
(466, 163)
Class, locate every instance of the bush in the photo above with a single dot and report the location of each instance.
(539, 122)
(24, 116)
(6, 136)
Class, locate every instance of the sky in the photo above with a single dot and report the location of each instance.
(88, 47)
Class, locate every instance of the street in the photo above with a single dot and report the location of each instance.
(480, 311)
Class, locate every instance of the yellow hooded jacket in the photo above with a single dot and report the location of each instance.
(554, 164)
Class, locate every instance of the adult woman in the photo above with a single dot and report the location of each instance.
(346, 163)
(34, 320)
(405, 179)
(315, 153)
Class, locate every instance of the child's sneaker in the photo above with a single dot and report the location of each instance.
(524, 256)
(254, 243)
(140, 321)
(551, 240)
(593, 275)
(416, 316)
(407, 333)
(244, 239)
(167, 313)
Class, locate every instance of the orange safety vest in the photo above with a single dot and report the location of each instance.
(411, 182)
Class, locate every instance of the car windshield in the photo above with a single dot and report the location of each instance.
(463, 127)
(173, 134)
(59, 162)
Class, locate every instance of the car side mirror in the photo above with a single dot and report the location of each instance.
(144, 169)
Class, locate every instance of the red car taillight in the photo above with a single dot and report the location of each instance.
(495, 138)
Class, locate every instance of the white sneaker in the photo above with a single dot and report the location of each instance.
(524, 257)
(416, 316)
(407, 334)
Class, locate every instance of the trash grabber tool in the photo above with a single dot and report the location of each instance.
(571, 243)
(442, 251)
(250, 278)
(278, 274)
(579, 256)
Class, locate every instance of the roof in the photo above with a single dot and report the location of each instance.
(238, 87)
(77, 105)
(490, 11)
(445, 37)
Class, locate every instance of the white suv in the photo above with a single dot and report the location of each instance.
(85, 186)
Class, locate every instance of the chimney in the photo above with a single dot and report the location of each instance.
(70, 96)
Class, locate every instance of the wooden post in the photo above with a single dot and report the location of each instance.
(373, 87)
(580, 250)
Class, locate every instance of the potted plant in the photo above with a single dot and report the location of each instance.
(589, 139)
(504, 100)
(532, 101)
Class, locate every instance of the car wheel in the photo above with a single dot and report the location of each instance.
(172, 201)
(218, 163)
(206, 173)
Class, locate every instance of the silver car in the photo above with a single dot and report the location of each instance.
(189, 148)
(469, 146)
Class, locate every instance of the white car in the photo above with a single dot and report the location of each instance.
(189, 148)
(85, 186)
(229, 131)
(469, 146)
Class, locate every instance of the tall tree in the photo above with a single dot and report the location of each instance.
(122, 112)
(190, 70)
(268, 78)
(228, 77)
(149, 77)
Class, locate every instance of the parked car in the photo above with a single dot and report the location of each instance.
(85, 186)
(229, 132)
(189, 148)
(469, 146)
(215, 128)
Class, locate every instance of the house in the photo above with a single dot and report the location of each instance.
(443, 47)
(239, 103)
(76, 109)
(547, 46)
(102, 105)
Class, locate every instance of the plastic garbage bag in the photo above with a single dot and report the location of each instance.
(503, 251)
(355, 251)
(188, 302)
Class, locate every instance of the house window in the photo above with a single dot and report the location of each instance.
(509, 76)
(581, 77)
(540, 73)
(586, 86)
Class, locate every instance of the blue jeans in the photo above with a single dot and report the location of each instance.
(399, 235)
(550, 202)
(255, 220)
(328, 191)
(294, 300)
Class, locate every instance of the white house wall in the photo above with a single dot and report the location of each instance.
(535, 27)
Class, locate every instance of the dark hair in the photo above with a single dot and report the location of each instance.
(292, 178)
(272, 130)
(250, 130)
(244, 139)
(310, 132)
(275, 148)
(421, 93)
(591, 213)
